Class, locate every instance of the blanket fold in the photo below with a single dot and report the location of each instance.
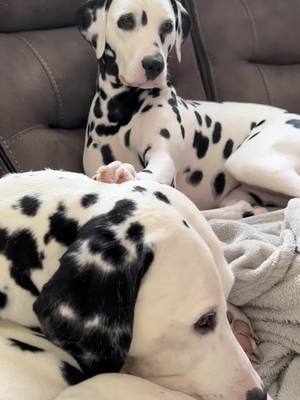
(263, 254)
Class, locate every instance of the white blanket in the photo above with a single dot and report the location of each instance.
(263, 253)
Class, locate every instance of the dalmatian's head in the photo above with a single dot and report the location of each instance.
(153, 304)
(141, 34)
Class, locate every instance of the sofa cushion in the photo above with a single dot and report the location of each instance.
(251, 49)
(47, 81)
(21, 15)
(186, 76)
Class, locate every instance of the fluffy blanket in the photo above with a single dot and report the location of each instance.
(263, 253)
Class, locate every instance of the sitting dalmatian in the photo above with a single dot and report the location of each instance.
(100, 278)
(232, 155)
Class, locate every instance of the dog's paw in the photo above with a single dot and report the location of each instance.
(116, 172)
(244, 333)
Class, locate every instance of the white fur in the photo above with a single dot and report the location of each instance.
(188, 278)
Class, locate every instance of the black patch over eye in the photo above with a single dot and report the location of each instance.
(167, 27)
(127, 22)
(206, 323)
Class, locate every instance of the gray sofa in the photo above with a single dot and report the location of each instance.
(239, 50)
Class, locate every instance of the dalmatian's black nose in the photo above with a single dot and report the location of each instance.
(153, 65)
(256, 394)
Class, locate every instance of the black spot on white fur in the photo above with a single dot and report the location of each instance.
(127, 138)
(107, 154)
(25, 346)
(165, 133)
(217, 133)
(29, 205)
(135, 232)
(89, 200)
(248, 214)
(219, 183)
(62, 229)
(147, 108)
(228, 149)
(195, 178)
(199, 118)
(185, 224)
(201, 144)
(22, 250)
(162, 197)
(97, 109)
(3, 300)
(182, 131)
(174, 104)
(72, 375)
(144, 18)
(139, 189)
(3, 238)
(294, 122)
(253, 136)
(208, 121)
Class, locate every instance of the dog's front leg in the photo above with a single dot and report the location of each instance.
(160, 168)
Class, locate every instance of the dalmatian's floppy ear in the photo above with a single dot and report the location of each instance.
(91, 22)
(183, 25)
(87, 307)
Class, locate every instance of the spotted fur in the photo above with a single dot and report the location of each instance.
(145, 114)
(79, 260)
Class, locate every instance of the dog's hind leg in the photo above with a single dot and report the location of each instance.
(270, 157)
(246, 201)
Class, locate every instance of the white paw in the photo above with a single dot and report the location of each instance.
(116, 172)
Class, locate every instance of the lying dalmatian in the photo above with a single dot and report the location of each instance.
(219, 154)
(101, 278)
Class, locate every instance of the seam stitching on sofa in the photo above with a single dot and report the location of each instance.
(13, 139)
(12, 154)
(50, 75)
(255, 47)
(213, 80)
(253, 26)
(265, 82)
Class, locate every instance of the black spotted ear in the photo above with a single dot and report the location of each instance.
(87, 307)
(183, 25)
(91, 22)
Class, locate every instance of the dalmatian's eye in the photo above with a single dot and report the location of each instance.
(167, 27)
(206, 323)
(127, 22)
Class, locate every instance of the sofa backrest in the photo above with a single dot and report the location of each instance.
(47, 81)
(239, 50)
(248, 50)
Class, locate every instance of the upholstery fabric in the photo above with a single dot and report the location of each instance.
(251, 50)
(47, 83)
(21, 15)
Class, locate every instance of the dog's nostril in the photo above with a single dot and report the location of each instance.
(256, 394)
(153, 66)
